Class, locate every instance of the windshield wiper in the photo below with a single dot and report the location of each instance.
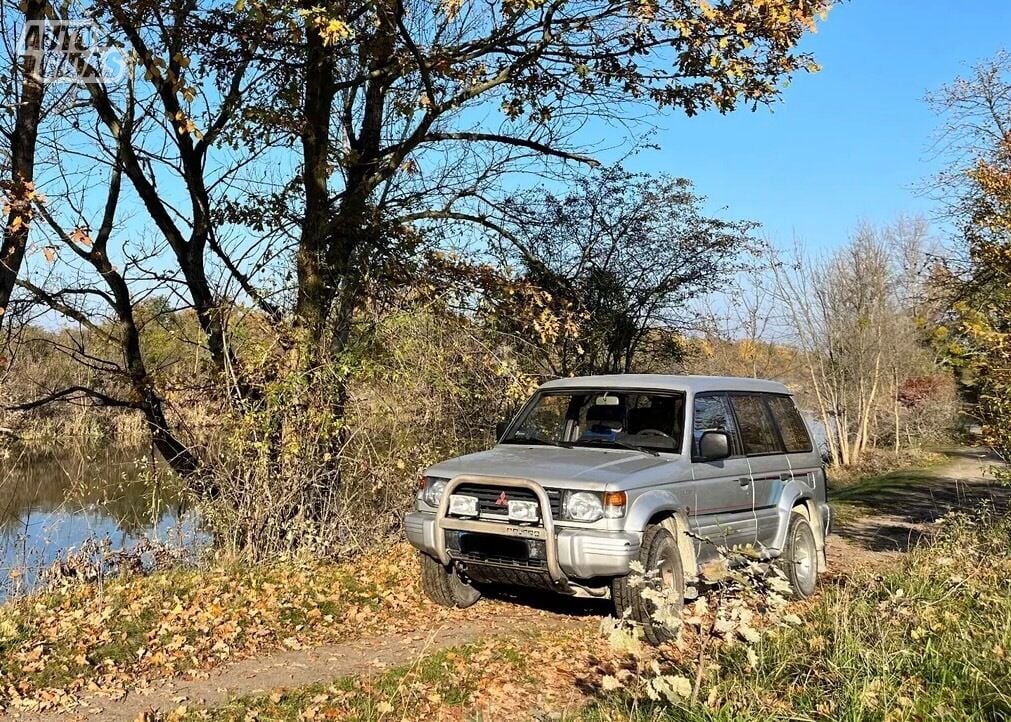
(622, 444)
(538, 440)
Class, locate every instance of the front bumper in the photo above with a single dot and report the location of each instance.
(580, 553)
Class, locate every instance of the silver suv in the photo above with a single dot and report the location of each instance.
(600, 471)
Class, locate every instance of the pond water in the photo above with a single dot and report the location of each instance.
(53, 502)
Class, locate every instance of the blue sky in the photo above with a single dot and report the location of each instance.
(849, 143)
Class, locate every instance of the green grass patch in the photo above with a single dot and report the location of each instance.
(883, 488)
(870, 493)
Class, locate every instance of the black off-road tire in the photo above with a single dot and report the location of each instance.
(658, 545)
(444, 586)
(799, 560)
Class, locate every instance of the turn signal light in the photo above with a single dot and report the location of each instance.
(615, 498)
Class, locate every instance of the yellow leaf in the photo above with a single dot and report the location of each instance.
(80, 236)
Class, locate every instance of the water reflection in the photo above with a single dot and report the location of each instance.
(52, 501)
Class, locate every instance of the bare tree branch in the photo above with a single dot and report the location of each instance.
(73, 393)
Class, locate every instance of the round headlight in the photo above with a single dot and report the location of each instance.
(433, 492)
(583, 506)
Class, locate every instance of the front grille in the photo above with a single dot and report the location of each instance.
(495, 549)
(487, 497)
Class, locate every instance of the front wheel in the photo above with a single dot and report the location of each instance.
(665, 580)
(799, 560)
(444, 586)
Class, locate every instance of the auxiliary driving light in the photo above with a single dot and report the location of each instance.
(523, 511)
(462, 505)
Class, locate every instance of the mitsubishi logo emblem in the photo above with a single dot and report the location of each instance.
(502, 500)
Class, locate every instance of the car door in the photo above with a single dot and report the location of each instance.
(766, 455)
(721, 510)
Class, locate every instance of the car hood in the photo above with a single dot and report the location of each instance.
(577, 468)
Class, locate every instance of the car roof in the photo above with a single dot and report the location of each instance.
(690, 384)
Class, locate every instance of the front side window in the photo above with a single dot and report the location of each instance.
(712, 413)
(791, 425)
(758, 434)
(609, 417)
(546, 420)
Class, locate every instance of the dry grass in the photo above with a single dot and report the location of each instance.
(927, 640)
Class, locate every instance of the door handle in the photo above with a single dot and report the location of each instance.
(744, 481)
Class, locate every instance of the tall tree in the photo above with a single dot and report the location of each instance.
(404, 115)
(23, 99)
(853, 318)
(622, 255)
(391, 88)
(976, 182)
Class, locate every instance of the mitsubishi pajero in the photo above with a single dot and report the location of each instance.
(597, 472)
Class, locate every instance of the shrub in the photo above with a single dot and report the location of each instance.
(296, 476)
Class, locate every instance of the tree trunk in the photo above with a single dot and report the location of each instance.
(867, 406)
(827, 422)
(895, 407)
(181, 459)
(332, 235)
(313, 288)
(20, 187)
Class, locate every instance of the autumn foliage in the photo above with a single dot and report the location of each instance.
(977, 339)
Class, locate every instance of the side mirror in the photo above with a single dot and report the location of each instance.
(500, 429)
(714, 445)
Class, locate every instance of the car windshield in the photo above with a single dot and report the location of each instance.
(617, 418)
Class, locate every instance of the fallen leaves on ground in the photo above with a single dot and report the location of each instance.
(56, 647)
(530, 676)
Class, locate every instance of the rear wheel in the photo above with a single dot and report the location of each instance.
(444, 586)
(658, 554)
(799, 560)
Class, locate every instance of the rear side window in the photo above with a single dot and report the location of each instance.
(791, 424)
(713, 413)
(758, 433)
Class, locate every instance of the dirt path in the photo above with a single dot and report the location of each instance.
(903, 509)
(290, 669)
(900, 513)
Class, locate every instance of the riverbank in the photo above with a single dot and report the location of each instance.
(120, 637)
